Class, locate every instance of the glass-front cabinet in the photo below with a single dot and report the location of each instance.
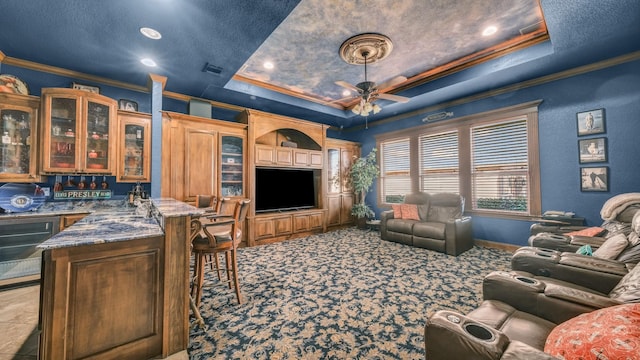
(18, 127)
(232, 174)
(78, 127)
(134, 149)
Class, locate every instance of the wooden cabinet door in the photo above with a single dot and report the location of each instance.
(315, 221)
(346, 158)
(300, 223)
(200, 154)
(284, 156)
(283, 225)
(264, 228)
(18, 127)
(134, 147)
(264, 155)
(334, 205)
(78, 132)
(345, 213)
(315, 159)
(300, 158)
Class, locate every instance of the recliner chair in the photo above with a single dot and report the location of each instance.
(604, 267)
(518, 314)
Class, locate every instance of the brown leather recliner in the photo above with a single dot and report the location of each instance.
(516, 317)
(591, 271)
(441, 225)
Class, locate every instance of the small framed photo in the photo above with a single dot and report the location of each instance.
(128, 105)
(593, 150)
(93, 89)
(591, 122)
(594, 178)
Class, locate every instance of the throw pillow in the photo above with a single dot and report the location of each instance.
(585, 250)
(609, 333)
(592, 231)
(397, 211)
(410, 212)
(612, 247)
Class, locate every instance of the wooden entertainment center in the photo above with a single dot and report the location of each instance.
(194, 161)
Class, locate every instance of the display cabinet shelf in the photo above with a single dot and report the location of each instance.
(18, 148)
(77, 132)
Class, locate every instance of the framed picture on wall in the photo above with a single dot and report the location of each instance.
(591, 122)
(593, 150)
(93, 89)
(129, 105)
(594, 178)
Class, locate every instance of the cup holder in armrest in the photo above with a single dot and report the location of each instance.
(544, 254)
(527, 280)
(479, 332)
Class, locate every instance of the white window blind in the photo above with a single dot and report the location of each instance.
(499, 167)
(395, 170)
(439, 169)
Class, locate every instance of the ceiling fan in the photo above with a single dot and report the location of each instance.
(359, 50)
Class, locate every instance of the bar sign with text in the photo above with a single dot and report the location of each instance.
(82, 194)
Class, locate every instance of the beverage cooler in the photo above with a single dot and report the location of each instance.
(20, 260)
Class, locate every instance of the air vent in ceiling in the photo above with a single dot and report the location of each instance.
(531, 28)
(212, 69)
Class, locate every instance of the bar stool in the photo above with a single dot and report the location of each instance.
(223, 234)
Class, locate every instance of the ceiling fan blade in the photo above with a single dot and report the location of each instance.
(392, 82)
(348, 98)
(395, 98)
(346, 85)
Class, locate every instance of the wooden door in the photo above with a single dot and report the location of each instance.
(200, 154)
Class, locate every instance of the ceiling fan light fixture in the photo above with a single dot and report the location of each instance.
(376, 109)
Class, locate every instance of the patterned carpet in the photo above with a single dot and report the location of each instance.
(344, 294)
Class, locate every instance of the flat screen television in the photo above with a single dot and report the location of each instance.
(284, 189)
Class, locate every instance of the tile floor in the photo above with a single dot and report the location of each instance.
(19, 322)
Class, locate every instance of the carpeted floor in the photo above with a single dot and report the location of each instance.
(344, 294)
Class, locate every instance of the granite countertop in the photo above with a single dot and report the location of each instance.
(112, 221)
(104, 228)
(169, 207)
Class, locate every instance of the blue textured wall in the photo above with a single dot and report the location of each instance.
(616, 89)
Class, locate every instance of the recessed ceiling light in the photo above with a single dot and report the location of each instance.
(268, 65)
(148, 62)
(346, 93)
(151, 33)
(489, 30)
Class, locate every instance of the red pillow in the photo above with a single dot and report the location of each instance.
(609, 333)
(592, 231)
(397, 211)
(410, 212)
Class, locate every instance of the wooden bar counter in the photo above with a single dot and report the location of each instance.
(115, 285)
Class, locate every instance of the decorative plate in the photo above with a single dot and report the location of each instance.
(11, 84)
(21, 197)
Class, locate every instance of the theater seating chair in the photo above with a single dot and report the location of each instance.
(528, 317)
(498, 331)
(603, 269)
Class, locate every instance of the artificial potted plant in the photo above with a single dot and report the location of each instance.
(362, 173)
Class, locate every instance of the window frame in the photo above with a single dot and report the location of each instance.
(463, 125)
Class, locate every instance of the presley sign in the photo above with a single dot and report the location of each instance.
(82, 194)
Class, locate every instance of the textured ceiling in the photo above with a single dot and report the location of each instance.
(425, 35)
(302, 38)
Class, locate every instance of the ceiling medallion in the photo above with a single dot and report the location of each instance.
(374, 46)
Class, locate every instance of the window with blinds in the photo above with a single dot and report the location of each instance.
(500, 166)
(395, 168)
(439, 165)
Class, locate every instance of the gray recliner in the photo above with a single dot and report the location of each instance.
(441, 227)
